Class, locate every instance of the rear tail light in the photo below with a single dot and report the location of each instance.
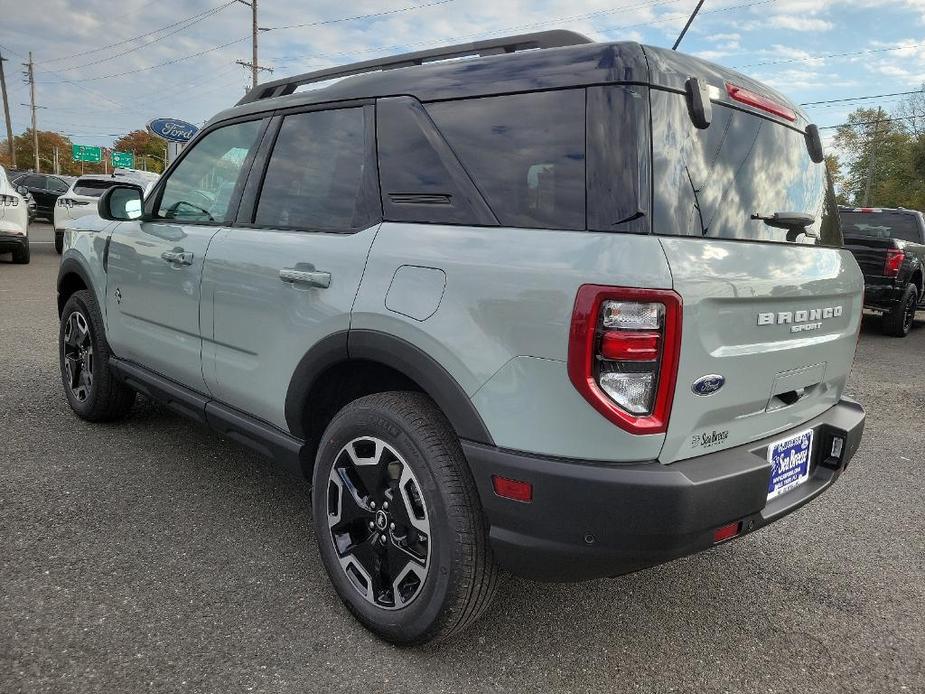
(623, 354)
(762, 103)
(9, 201)
(894, 261)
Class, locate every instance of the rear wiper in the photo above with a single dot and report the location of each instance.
(794, 222)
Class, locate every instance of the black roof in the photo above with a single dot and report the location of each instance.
(566, 60)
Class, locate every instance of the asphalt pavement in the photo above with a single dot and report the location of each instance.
(153, 555)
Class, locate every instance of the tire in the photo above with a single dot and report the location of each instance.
(59, 242)
(22, 257)
(90, 387)
(413, 448)
(898, 322)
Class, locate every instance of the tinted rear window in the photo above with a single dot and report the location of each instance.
(881, 225)
(711, 182)
(526, 154)
(92, 188)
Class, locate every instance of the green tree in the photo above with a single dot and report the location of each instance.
(878, 169)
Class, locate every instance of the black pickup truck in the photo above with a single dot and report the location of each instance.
(889, 245)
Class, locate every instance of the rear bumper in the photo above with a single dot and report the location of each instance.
(589, 520)
(881, 294)
(12, 242)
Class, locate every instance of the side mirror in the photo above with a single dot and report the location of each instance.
(22, 190)
(121, 203)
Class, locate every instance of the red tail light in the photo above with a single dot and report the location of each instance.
(894, 261)
(762, 103)
(623, 354)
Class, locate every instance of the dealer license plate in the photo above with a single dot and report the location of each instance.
(789, 458)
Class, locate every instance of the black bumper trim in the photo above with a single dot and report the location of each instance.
(589, 520)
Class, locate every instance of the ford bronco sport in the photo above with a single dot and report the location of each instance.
(563, 308)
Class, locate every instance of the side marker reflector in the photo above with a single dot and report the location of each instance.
(512, 489)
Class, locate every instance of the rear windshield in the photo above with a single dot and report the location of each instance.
(92, 187)
(881, 225)
(713, 183)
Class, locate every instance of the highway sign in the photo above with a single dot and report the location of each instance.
(92, 155)
(123, 160)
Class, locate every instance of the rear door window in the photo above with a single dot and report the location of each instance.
(525, 152)
(57, 185)
(316, 175)
(882, 225)
(717, 182)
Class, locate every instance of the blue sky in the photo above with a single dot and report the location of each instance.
(86, 96)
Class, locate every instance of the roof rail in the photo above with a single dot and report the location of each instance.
(508, 44)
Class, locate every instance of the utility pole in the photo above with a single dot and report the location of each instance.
(254, 65)
(871, 158)
(30, 78)
(6, 115)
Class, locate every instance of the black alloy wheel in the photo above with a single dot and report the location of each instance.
(78, 356)
(378, 523)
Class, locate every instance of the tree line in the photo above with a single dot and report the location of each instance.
(54, 147)
(880, 160)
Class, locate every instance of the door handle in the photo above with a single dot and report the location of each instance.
(178, 257)
(311, 278)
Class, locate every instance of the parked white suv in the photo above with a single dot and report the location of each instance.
(14, 221)
(81, 198)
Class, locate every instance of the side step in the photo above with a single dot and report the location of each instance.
(264, 438)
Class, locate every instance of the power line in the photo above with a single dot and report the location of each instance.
(831, 55)
(205, 16)
(240, 40)
(860, 98)
(198, 17)
(868, 122)
(384, 13)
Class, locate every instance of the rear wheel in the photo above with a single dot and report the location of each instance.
(23, 255)
(398, 520)
(90, 387)
(898, 322)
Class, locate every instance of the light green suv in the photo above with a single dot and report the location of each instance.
(563, 308)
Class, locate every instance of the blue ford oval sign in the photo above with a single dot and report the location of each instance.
(172, 129)
(707, 385)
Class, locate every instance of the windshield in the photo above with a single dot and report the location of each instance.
(92, 188)
(730, 179)
(881, 225)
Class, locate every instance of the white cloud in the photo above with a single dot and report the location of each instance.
(796, 23)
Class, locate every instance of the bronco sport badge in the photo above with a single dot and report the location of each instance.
(800, 321)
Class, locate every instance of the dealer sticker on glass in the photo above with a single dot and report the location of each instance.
(789, 460)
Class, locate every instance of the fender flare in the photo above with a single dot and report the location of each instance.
(396, 353)
(72, 266)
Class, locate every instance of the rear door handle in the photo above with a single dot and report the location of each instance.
(178, 257)
(311, 278)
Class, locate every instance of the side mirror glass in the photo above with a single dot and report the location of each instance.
(22, 190)
(121, 203)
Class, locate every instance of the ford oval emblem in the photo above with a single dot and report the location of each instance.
(707, 385)
(172, 129)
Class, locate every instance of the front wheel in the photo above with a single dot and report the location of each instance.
(90, 387)
(398, 520)
(898, 322)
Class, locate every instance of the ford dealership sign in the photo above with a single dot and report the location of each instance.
(173, 129)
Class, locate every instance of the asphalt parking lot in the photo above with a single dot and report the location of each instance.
(152, 555)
